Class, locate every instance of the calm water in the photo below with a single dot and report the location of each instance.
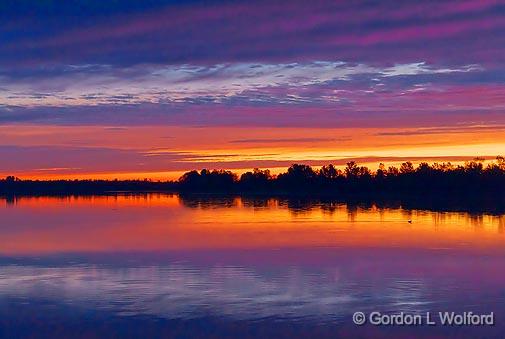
(166, 266)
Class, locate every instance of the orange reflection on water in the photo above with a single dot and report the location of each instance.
(158, 222)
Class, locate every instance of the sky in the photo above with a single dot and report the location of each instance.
(151, 89)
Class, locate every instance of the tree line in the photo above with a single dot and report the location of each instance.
(474, 178)
(471, 178)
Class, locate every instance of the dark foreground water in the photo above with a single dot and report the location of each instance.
(165, 266)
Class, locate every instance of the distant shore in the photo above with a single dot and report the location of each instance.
(469, 187)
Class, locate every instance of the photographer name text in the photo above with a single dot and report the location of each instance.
(428, 318)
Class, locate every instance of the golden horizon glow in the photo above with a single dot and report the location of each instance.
(166, 152)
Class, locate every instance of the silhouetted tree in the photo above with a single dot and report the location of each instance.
(257, 180)
(351, 170)
(297, 177)
(406, 168)
(329, 172)
(475, 166)
(216, 180)
(501, 162)
(393, 171)
(381, 172)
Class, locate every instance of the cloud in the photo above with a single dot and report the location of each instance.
(57, 169)
(446, 130)
(223, 32)
(422, 68)
(115, 128)
(20, 159)
(225, 63)
(389, 109)
(288, 140)
(258, 82)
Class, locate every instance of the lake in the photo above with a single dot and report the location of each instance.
(159, 265)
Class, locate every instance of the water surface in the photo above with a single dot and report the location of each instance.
(170, 266)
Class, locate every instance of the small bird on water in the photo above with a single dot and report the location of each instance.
(410, 221)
